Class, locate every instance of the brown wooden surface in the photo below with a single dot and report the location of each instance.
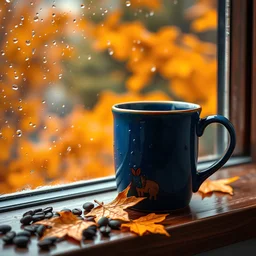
(253, 100)
(240, 72)
(209, 222)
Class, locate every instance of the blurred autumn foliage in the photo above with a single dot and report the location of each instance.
(42, 147)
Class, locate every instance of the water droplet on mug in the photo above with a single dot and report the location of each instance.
(133, 140)
(129, 130)
(132, 153)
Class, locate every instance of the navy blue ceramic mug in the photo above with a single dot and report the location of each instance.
(156, 151)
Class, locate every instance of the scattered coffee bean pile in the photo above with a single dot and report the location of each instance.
(22, 238)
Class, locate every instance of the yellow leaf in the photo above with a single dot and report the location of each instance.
(147, 223)
(115, 209)
(65, 225)
(218, 185)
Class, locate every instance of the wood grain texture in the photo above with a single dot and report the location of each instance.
(210, 222)
(253, 94)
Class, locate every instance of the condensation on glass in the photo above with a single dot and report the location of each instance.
(65, 63)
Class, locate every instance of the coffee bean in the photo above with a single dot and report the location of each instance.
(48, 215)
(77, 211)
(47, 209)
(115, 224)
(30, 212)
(90, 218)
(8, 238)
(65, 210)
(26, 220)
(88, 233)
(53, 239)
(93, 227)
(88, 206)
(38, 217)
(31, 229)
(24, 233)
(4, 229)
(40, 230)
(105, 230)
(103, 221)
(44, 244)
(21, 241)
(11, 234)
(37, 210)
(39, 213)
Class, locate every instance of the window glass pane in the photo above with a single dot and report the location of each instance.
(65, 63)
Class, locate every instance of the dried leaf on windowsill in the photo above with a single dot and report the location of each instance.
(115, 209)
(66, 225)
(147, 224)
(221, 185)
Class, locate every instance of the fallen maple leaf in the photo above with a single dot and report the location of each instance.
(218, 185)
(65, 225)
(115, 209)
(147, 223)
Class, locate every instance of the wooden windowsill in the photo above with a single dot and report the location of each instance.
(210, 222)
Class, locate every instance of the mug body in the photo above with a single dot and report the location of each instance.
(155, 149)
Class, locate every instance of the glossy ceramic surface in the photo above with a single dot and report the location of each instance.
(156, 150)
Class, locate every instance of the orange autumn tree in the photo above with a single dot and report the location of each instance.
(43, 148)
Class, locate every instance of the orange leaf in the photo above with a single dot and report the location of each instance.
(218, 185)
(65, 225)
(147, 223)
(115, 209)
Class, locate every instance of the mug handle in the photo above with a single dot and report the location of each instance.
(200, 177)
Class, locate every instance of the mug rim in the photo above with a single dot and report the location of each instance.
(195, 108)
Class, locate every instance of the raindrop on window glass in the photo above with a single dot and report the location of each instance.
(89, 57)
(82, 6)
(69, 149)
(27, 42)
(128, 3)
(43, 101)
(110, 51)
(2, 53)
(20, 108)
(35, 19)
(8, 1)
(19, 133)
(15, 40)
(15, 87)
(153, 69)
